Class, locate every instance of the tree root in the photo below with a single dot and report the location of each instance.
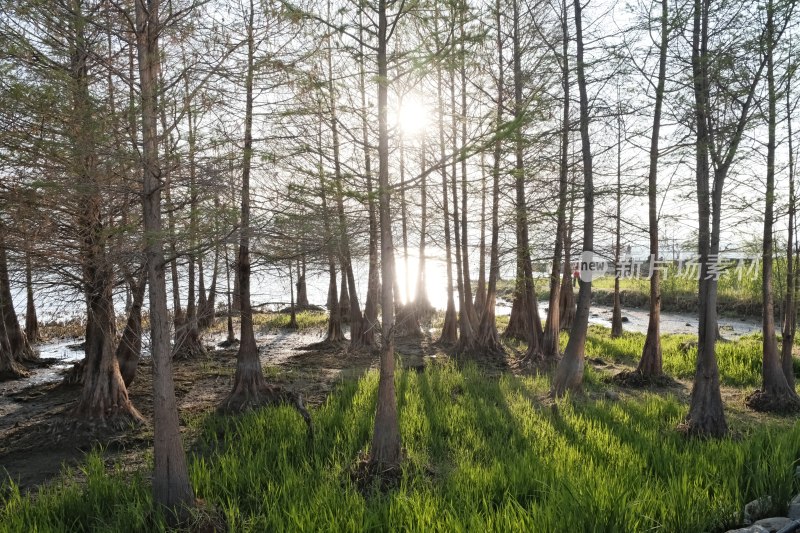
(369, 476)
(765, 402)
(244, 399)
(636, 380)
(228, 343)
(326, 345)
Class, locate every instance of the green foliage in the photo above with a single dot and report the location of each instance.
(483, 454)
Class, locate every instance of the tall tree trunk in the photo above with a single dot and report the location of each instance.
(706, 415)
(421, 301)
(569, 373)
(18, 344)
(468, 307)
(202, 297)
(449, 328)
(335, 334)
(129, 349)
(651, 363)
(407, 322)
(208, 310)
(385, 449)
(292, 313)
(302, 289)
(178, 315)
(480, 290)
(249, 387)
(488, 340)
(344, 295)
(526, 323)
(104, 398)
(10, 366)
(552, 329)
(616, 311)
(566, 296)
(775, 393)
(188, 345)
(231, 335)
(171, 488)
(370, 322)
(31, 320)
(466, 335)
(789, 306)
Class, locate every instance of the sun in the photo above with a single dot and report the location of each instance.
(412, 115)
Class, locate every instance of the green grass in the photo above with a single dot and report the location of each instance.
(305, 320)
(739, 361)
(482, 454)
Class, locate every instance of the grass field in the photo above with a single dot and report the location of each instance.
(483, 453)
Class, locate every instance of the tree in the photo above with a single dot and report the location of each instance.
(249, 387)
(171, 488)
(552, 328)
(719, 127)
(524, 322)
(488, 340)
(790, 311)
(651, 364)
(775, 394)
(385, 449)
(569, 373)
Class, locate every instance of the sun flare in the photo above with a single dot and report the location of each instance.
(412, 115)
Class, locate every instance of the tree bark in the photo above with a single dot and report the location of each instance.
(129, 349)
(188, 344)
(468, 308)
(775, 393)
(18, 344)
(524, 322)
(488, 340)
(385, 449)
(569, 373)
(566, 296)
(466, 335)
(249, 387)
(616, 311)
(423, 305)
(302, 288)
(449, 333)
(10, 366)
(551, 336)
(706, 415)
(651, 363)
(790, 309)
(171, 488)
(31, 320)
(370, 322)
(480, 290)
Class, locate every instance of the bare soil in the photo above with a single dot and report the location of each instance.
(38, 435)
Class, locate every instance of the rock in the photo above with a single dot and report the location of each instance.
(773, 524)
(749, 529)
(611, 395)
(757, 509)
(688, 325)
(794, 508)
(626, 319)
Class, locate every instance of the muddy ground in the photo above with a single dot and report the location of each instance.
(38, 435)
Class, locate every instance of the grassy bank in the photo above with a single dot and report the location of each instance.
(484, 453)
(678, 295)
